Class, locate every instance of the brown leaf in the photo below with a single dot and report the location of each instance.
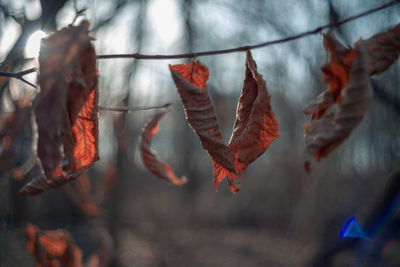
(149, 157)
(52, 248)
(336, 70)
(255, 126)
(190, 80)
(67, 107)
(324, 134)
(383, 50)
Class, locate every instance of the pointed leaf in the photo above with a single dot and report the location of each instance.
(255, 126)
(149, 157)
(324, 134)
(383, 49)
(190, 80)
(66, 109)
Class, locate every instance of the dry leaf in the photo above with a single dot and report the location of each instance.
(190, 80)
(149, 157)
(66, 109)
(52, 248)
(255, 126)
(324, 134)
(383, 50)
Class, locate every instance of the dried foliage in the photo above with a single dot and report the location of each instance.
(255, 127)
(52, 248)
(336, 111)
(324, 134)
(66, 109)
(254, 130)
(150, 160)
(190, 80)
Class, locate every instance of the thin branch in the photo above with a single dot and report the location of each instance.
(129, 109)
(248, 47)
(19, 75)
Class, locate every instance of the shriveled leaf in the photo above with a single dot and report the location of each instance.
(82, 105)
(383, 50)
(150, 160)
(67, 108)
(190, 80)
(40, 183)
(52, 248)
(336, 70)
(326, 133)
(255, 127)
(320, 105)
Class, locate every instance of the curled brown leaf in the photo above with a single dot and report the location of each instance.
(324, 134)
(255, 127)
(150, 160)
(190, 80)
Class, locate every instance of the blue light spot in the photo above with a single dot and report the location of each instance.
(352, 229)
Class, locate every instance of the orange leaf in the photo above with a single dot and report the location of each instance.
(255, 126)
(190, 82)
(52, 248)
(149, 157)
(326, 133)
(66, 109)
(193, 72)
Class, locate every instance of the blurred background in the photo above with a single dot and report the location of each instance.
(282, 216)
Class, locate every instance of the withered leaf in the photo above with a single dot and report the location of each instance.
(255, 127)
(336, 70)
(52, 248)
(383, 50)
(66, 108)
(190, 80)
(324, 134)
(149, 157)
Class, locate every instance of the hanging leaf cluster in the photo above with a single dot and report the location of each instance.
(340, 108)
(54, 139)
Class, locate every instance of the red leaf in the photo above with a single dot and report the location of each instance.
(190, 80)
(52, 248)
(326, 133)
(67, 108)
(383, 50)
(149, 157)
(255, 126)
(193, 72)
(336, 70)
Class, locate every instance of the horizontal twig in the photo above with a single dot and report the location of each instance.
(19, 75)
(248, 47)
(129, 109)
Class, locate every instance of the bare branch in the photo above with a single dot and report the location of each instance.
(19, 75)
(129, 109)
(248, 47)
